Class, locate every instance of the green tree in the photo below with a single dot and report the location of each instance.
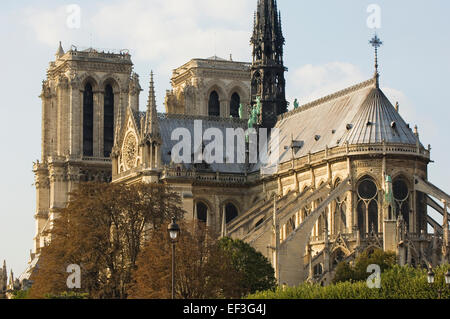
(396, 283)
(358, 272)
(257, 272)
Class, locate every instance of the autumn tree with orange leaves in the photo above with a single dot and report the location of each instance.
(102, 230)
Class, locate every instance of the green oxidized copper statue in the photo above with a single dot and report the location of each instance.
(258, 105)
(241, 111)
(296, 105)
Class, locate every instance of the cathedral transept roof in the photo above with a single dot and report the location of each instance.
(359, 115)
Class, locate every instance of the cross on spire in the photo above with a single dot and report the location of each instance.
(376, 43)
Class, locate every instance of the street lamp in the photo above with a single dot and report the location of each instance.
(174, 231)
(430, 278)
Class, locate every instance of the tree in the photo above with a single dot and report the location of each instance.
(203, 270)
(256, 271)
(396, 283)
(358, 272)
(102, 230)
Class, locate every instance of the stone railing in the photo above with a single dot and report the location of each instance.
(204, 176)
(96, 159)
(100, 53)
(353, 150)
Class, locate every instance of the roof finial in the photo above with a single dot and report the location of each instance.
(152, 113)
(376, 43)
(60, 51)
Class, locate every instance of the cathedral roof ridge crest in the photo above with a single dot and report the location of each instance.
(327, 98)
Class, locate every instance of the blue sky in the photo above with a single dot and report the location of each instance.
(326, 49)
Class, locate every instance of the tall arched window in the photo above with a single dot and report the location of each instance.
(234, 105)
(202, 212)
(88, 121)
(401, 196)
(367, 206)
(340, 219)
(214, 104)
(231, 212)
(108, 123)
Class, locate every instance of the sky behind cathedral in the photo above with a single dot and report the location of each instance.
(327, 49)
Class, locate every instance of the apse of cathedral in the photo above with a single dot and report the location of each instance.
(350, 174)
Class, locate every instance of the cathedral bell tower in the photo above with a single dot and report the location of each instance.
(267, 72)
(82, 96)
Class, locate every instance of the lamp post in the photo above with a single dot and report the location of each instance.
(430, 278)
(174, 231)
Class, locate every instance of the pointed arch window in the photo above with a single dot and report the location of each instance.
(108, 123)
(88, 121)
(367, 206)
(214, 104)
(231, 212)
(234, 105)
(202, 212)
(401, 197)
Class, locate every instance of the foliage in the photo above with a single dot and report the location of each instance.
(257, 272)
(203, 270)
(68, 295)
(20, 294)
(102, 230)
(396, 283)
(358, 272)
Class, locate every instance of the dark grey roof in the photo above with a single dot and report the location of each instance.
(168, 123)
(358, 115)
(378, 121)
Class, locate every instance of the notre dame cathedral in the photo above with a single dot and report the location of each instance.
(351, 174)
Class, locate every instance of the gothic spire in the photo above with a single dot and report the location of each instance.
(152, 123)
(268, 82)
(60, 52)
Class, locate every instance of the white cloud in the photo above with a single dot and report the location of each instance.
(167, 32)
(311, 82)
(48, 25)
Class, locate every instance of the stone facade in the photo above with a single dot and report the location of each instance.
(350, 174)
(193, 83)
(64, 161)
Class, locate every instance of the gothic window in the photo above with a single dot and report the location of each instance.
(234, 105)
(340, 219)
(214, 104)
(401, 196)
(202, 212)
(290, 226)
(88, 121)
(318, 270)
(231, 212)
(321, 228)
(338, 257)
(108, 123)
(367, 210)
(256, 85)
